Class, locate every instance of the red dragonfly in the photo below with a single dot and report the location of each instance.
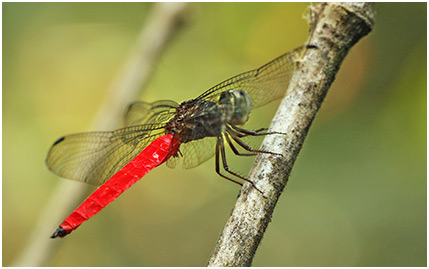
(165, 131)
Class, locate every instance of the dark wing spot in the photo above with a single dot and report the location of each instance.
(310, 46)
(59, 140)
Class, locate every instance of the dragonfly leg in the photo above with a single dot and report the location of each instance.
(241, 134)
(218, 150)
(261, 130)
(244, 146)
(244, 132)
(234, 149)
(220, 147)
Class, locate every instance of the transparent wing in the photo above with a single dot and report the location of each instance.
(263, 85)
(194, 153)
(95, 157)
(148, 113)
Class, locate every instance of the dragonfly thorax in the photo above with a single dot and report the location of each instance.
(195, 119)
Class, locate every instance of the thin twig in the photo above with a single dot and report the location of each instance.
(157, 31)
(335, 28)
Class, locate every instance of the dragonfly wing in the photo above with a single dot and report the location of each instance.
(263, 85)
(194, 153)
(147, 113)
(95, 157)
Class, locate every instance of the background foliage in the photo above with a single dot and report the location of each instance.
(357, 195)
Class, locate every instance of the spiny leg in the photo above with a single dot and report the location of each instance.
(261, 130)
(245, 146)
(217, 167)
(236, 152)
(240, 134)
(252, 133)
(220, 146)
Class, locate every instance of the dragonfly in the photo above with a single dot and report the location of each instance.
(165, 131)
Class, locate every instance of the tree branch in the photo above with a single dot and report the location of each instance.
(160, 26)
(334, 28)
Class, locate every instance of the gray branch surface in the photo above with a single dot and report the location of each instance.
(334, 29)
(155, 35)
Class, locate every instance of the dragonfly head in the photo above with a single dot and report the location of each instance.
(237, 105)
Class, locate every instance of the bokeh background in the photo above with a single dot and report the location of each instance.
(357, 194)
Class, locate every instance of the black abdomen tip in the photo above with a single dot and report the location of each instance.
(59, 232)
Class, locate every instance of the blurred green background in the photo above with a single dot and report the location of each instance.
(357, 194)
